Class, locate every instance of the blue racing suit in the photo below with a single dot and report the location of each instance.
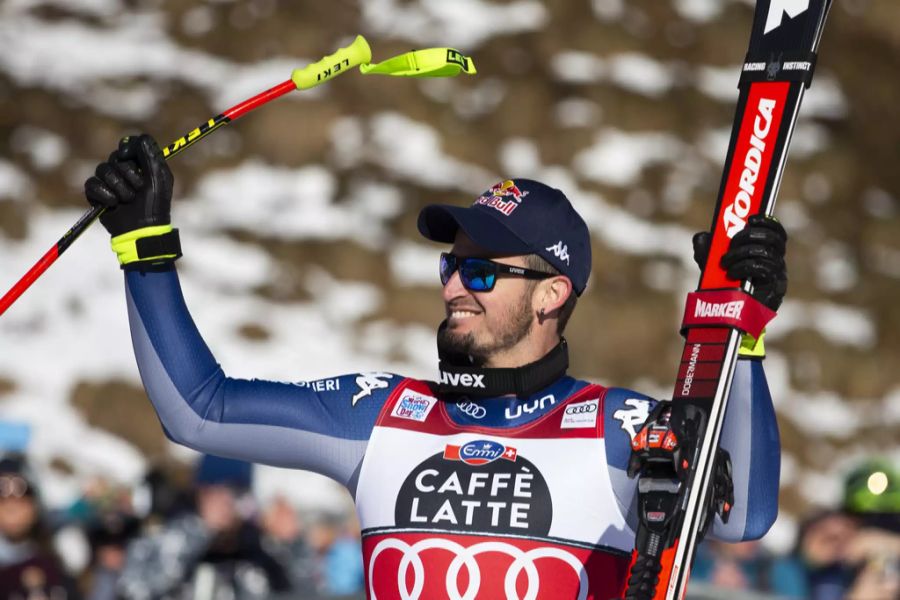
(502, 494)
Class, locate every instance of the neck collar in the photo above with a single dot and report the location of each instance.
(459, 377)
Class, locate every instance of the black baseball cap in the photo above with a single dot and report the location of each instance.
(518, 216)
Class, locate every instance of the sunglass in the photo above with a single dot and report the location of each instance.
(13, 486)
(480, 274)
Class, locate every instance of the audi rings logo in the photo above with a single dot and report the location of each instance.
(581, 414)
(464, 557)
(581, 409)
(472, 409)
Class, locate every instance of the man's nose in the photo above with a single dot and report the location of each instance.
(454, 288)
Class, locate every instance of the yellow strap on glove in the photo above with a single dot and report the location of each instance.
(147, 245)
(752, 347)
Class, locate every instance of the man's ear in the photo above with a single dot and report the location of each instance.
(552, 294)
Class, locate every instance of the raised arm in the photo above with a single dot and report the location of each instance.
(322, 426)
(750, 430)
(749, 434)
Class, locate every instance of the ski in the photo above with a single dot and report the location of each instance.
(674, 500)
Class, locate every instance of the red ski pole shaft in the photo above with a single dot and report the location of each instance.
(310, 76)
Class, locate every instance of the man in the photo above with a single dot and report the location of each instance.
(506, 479)
(29, 565)
(216, 549)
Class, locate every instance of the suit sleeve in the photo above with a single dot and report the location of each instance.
(749, 434)
(321, 426)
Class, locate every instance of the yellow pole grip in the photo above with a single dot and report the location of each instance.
(333, 65)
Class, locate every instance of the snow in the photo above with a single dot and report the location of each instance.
(577, 112)
(891, 407)
(825, 99)
(821, 489)
(632, 71)
(719, 83)
(879, 203)
(712, 144)
(412, 151)
(640, 74)
(137, 48)
(841, 325)
(479, 99)
(608, 10)
(699, 11)
(347, 142)
(836, 269)
(519, 155)
(660, 275)
(302, 200)
(198, 21)
(96, 8)
(414, 264)
(45, 149)
(618, 157)
(462, 23)
(817, 188)
(809, 139)
(578, 67)
(823, 414)
(14, 184)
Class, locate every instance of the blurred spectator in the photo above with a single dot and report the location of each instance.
(284, 539)
(29, 568)
(872, 492)
(854, 553)
(164, 494)
(213, 552)
(336, 540)
(108, 536)
(746, 566)
(872, 497)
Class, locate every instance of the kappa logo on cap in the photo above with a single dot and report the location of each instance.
(560, 250)
(495, 197)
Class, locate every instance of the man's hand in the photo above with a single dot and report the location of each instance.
(134, 185)
(756, 253)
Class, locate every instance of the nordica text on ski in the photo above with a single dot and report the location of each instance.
(736, 212)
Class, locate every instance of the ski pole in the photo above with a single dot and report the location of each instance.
(430, 62)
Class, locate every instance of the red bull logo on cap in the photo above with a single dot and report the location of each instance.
(504, 196)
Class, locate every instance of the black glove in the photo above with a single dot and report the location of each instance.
(756, 253)
(135, 186)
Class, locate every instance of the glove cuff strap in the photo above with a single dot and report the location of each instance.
(752, 347)
(147, 246)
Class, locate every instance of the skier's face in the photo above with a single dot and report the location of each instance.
(486, 325)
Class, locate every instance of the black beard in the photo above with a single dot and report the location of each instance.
(462, 349)
(459, 349)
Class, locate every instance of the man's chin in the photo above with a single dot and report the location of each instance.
(458, 345)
